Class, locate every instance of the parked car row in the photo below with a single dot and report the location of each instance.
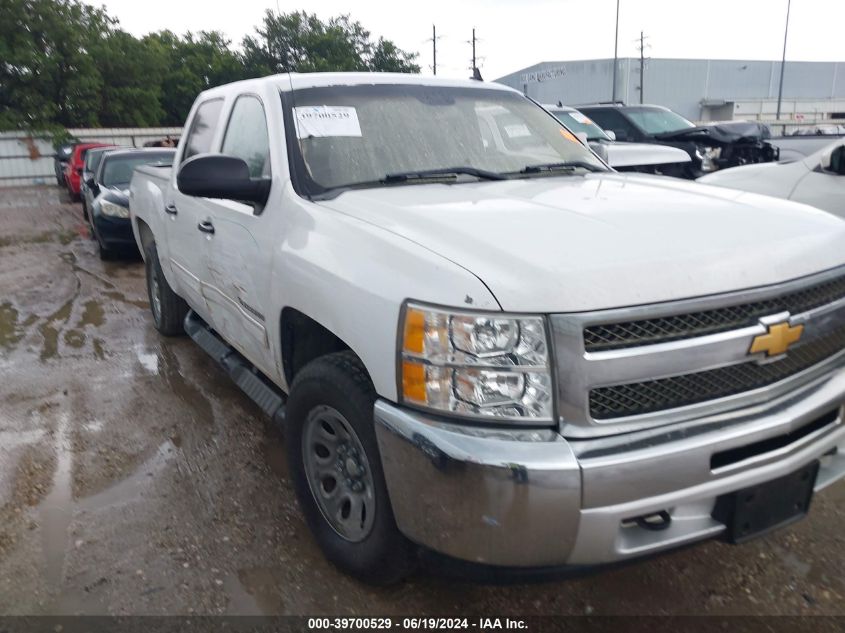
(736, 154)
(98, 175)
(625, 131)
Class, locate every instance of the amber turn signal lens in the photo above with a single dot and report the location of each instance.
(413, 381)
(414, 339)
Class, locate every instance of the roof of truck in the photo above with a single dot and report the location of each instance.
(296, 81)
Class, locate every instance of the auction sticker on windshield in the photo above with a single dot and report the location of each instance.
(321, 121)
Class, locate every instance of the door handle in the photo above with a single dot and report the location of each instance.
(171, 209)
(206, 227)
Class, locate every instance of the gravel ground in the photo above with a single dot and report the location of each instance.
(136, 479)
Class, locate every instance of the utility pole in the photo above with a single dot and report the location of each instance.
(616, 51)
(642, 65)
(783, 59)
(434, 48)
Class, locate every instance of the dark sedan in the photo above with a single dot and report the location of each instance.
(109, 213)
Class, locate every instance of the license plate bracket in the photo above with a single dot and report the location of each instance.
(760, 509)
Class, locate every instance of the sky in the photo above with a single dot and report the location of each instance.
(514, 34)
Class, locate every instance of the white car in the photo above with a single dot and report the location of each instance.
(642, 157)
(818, 180)
(492, 345)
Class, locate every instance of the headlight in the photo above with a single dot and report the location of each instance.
(113, 210)
(708, 157)
(482, 365)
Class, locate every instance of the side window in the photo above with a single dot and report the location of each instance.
(202, 128)
(247, 137)
(613, 120)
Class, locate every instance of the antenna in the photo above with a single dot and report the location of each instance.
(476, 74)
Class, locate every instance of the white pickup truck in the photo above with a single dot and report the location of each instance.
(489, 344)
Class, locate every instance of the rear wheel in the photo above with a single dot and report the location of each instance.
(168, 308)
(336, 470)
(106, 254)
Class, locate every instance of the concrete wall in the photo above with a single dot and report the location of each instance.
(682, 84)
(27, 159)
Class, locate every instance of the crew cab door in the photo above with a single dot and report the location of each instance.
(237, 274)
(185, 214)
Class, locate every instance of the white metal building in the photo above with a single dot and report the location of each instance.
(699, 89)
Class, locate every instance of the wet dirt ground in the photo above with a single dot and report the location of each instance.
(136, 479)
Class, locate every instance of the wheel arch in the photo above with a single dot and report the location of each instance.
(303, 339)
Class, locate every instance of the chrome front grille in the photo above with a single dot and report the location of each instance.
(634, 368)
(680, 326)
(679, 391)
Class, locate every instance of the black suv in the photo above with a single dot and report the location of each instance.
(710, 147)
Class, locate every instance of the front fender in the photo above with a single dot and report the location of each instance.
(352, 277)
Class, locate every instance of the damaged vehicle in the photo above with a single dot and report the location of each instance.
(647, 158)
(710, 147)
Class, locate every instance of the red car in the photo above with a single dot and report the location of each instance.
(73, 168)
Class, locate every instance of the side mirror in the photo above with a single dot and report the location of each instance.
(834, 161)
(600, 150)
(610, 134)
(223, 177)
(619, 135)
(90, 183)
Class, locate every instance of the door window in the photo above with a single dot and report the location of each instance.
(202, 128)
(612, 120)
(247, 137)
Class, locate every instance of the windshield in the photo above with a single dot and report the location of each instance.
(93, 159)
(359, 135)
(578, 122)
(117, 170)
(657, 120)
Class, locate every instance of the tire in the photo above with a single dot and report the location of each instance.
(376, 553)
(168, 308)
(106, 254)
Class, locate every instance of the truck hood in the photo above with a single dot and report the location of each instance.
(725, 132)
(576, 243)
(636, 154)
(771, 179)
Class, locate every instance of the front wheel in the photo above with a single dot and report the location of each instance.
(336, 470)
(168, 308)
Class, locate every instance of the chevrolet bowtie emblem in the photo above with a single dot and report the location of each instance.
(777, 339)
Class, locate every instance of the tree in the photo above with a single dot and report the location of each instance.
(131, 89)
(64, 63)
(388, 58)
(301, 42)
(47, 75)
(192, 64)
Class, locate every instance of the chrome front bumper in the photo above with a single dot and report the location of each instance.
(531, 498)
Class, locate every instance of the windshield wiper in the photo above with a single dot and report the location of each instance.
(568, 166)
(427, 174)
